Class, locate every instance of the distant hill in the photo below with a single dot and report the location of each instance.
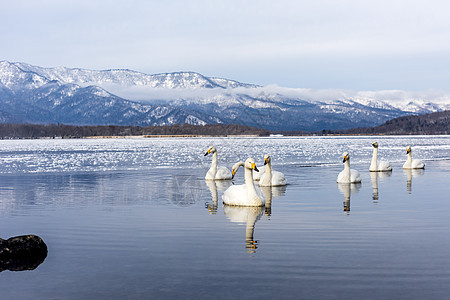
(36, 95)
(433, 123)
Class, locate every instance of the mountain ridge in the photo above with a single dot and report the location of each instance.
(33, 94)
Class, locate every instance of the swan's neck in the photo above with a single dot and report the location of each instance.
(347, 169)
(409, 157)
(251, 190)
(213, 168)
(248, 177)
(268, 175)
(374, 164)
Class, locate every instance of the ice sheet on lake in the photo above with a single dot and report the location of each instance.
(86, 155)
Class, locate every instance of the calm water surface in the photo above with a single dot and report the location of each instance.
(134, 218)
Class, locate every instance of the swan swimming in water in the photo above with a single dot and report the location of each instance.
(378, 166)
(412, 163)
(215, 172)
(348, 175)
(245, 194)
(270, 177)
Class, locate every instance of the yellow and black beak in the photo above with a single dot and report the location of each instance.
(266, 161)
(208, 152)
(345, 159)
(233, 172)
(254, 167)
(408, 150)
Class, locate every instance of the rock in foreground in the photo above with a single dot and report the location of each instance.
(20, 253)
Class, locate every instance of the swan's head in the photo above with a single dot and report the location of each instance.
(346, 156)
(250, 164)
(235, 168)
(375, 145)
(211, 149)
(266, 159)
(408, 150)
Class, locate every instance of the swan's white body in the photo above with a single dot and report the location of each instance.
(348, 175)
(378, 166)
(215, 172)
(412, 163)
(245, 194)
(270, 177)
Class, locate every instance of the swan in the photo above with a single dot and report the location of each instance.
(270, 177)
(378, 166)
(412, 163)
(216, 173)
(348, 175)
(245, 194)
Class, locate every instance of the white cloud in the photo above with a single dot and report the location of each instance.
(149, 94)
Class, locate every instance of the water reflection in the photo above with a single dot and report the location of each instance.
(249, 216)
(410, 173)
(214, 187)
(270, 193)
(374, 178)
(184, 190)
(347, 189)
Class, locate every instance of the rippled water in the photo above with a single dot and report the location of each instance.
(134, 218)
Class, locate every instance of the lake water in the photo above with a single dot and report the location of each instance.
(134, 218)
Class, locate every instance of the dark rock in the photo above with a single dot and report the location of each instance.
(20, 253)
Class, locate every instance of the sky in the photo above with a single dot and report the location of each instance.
(350, 45)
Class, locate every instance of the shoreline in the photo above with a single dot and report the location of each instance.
(224, 136)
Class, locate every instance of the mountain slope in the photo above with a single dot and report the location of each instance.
(433, 123)
(32, 94)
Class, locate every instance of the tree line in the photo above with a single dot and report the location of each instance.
(427, 124)
(15, 131)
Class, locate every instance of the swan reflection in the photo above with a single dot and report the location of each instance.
(410, 173)
(248, 215)
(214, 187)
(347, 189)
(269, 193)
(374, 178)
(183, 190)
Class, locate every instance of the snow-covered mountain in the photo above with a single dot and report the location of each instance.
(32, 94)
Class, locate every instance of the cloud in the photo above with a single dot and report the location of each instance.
(148, 94)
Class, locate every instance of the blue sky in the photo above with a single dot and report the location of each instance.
(352, 45)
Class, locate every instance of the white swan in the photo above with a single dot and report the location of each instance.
(214, 172)
(348, 175)
(270, 177)
(245, 194)
(378, 166)
(412, 163)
